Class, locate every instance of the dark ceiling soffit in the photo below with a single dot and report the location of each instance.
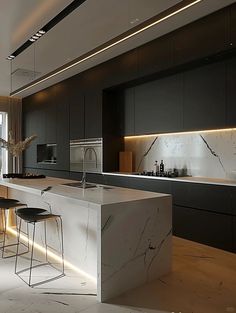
(59, 17)
(110, 42)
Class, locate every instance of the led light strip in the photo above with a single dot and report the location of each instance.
(182, 133)
(108, 46)
(52, 255)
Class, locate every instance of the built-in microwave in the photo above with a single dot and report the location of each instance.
(86, 153)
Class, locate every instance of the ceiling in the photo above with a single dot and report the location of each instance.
(93, 23)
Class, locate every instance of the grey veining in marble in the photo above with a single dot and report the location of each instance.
(210, 155)
(121, 237)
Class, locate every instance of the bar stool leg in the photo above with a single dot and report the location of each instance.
(45, 239)
(4, 231)
(18, 243)
(62, 247)
(32, 256)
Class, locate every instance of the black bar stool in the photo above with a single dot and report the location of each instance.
(5, 206)
(34, 216)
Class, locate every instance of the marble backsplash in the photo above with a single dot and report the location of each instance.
(211, 154)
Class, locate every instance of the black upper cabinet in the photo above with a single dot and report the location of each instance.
(51, 121)
(155, 56)
(76, 110)
(62, 130)
(159, 106)
(205, 37)
(128, 112)
(233, 26)
(231, 93)
(93, 113)
(204, 97)
(120, 70)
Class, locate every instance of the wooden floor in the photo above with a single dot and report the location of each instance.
(203, 280)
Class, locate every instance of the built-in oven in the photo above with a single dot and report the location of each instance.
(86, 155)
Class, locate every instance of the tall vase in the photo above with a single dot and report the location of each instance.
(16, 164)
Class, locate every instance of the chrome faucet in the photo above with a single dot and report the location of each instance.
(83, 181)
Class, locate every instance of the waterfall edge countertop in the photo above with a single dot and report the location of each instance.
(100, 195)
(120, 237)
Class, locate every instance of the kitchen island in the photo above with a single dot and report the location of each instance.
(120, 237)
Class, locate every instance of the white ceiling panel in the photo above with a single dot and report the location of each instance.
(90, 25)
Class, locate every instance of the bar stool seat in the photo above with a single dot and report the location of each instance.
(5, 205)
(34, 216)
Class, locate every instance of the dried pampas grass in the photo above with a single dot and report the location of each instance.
(16, 148)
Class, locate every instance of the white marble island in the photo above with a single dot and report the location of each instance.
(121, 237)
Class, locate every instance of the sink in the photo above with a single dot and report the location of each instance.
(81, 185)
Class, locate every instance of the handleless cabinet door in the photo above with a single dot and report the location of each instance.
(205, 227)
(202, 38)
(231, 93)
(93, 114)
(159, 106)
(233, 26)
(214, 198)
(155, 56)
(205, 97)
(76, 114)
(62, 117)
(129, 112)
(51, 121)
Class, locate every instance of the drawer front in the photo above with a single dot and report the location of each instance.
(202, 196)
(208, 228)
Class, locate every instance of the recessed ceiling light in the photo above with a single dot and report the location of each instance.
(31, 39)
(134, 21)
(41, 31)
(35, 37)
(10, 57)
(38, 34)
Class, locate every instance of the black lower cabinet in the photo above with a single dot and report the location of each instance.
(138, 183)
(205, 227)
(234, 234)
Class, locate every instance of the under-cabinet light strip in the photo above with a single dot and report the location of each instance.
(108, 46)
(52, 255)
(182, 133)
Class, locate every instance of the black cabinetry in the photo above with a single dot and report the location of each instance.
(159, 106)
(128, 111)
(234, 234)
(155, 56)
(213, 198)
(93, 113)
(204, 213)
(205, 97)
(209, 228)
(232, 37)
(231, 92)
(202, 38)
(139, 183)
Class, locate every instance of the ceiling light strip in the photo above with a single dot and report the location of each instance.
(112, 43)
(182, 133)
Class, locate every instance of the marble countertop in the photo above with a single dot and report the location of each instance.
(190, 179)
(100, 195)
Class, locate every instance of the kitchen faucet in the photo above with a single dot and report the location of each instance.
(83, 181)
